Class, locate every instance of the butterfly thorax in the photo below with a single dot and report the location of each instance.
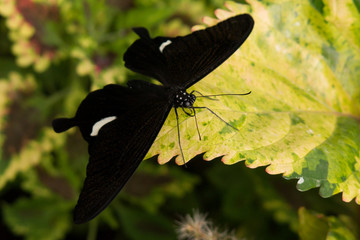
(184, 99)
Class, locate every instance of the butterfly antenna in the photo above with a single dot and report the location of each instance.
(178, 130)
(197, 127)
(225, 94)
(218, 117)
(202, 95)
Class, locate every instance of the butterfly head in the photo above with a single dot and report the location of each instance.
(184, 99)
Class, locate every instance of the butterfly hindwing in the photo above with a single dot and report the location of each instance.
(121, 143)
(182, 61)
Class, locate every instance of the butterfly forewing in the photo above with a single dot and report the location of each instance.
(119, 147)
(144, 57)
(182, 61)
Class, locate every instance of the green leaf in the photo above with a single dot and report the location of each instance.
(150, 187)
(139, 224)
(317, 226)
(302, 117)
(38, 219)
(257, 196)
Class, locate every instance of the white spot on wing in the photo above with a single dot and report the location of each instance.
(164, 44)
(98, 125)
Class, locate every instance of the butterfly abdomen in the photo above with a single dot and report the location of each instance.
(63, 124)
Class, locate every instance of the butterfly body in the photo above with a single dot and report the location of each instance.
(184, 99)
(121, 123)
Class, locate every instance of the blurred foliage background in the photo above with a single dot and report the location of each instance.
(52, 53)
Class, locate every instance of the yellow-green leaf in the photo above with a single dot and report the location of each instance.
(302, 64)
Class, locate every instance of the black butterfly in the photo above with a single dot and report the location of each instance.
(121, 123)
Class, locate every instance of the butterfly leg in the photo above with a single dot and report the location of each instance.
(217, 116)
(197, 127)
(192, 114)
(178, 131)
